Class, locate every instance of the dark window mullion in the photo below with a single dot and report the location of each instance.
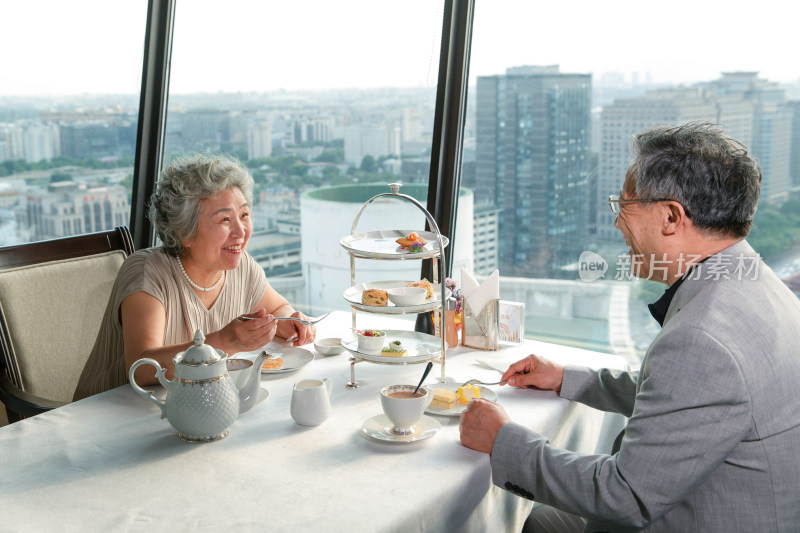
(448, 124)
(152, 115)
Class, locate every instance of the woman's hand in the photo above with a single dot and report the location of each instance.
(534, 372)
(296, 332)
(246, 335)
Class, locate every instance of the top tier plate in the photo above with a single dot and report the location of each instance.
(382, 245)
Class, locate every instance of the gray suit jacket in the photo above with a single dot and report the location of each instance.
(713, 437)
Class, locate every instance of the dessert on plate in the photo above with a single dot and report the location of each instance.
(468, 392)
(375, 297)
(412, 239)
(394, 349)
(272, 362)
(425, 284)
(444, 398)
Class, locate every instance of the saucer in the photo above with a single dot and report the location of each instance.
(262, 395)
(380, 427)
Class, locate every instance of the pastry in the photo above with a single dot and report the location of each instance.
(425, 284)
(468, 392)
(375, 297)
(272, 362)
(394, 349)
(410, 240)
(444, 398)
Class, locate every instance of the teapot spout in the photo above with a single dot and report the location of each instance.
(248, 394)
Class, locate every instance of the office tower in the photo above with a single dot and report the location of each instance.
(532, 163)
(259, 140)
(794, 164)
(68, 208)
(375, 141)
(623, 119)
(771, 120)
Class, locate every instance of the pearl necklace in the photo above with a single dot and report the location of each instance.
(195, 285)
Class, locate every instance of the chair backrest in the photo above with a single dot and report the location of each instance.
(53, 295)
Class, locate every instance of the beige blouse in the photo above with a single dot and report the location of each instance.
(155, 272)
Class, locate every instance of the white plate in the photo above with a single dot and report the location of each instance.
(456, 410)
(293, 359)
(382, 245)
(353, 296)
(421, 347)
(380, 428)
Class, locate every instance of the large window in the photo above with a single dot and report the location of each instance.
(68, 112)
(326, 103)
(556, 92)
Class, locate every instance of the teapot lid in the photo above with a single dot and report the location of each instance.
(200, 354)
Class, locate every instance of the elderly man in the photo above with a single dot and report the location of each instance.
(713, 437)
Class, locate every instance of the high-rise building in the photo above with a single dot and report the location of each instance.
(532, 163)
(259, 140)
(375, 141)
(620, 122)
(68, 208)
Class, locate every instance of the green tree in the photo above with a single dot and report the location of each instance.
(368, 164)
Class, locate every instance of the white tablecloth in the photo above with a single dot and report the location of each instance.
(109, 463)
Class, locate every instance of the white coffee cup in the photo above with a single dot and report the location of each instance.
(311, 401)
(402, 409)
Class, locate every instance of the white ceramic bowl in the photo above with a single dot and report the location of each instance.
(329, 346)
(407, 295)
(370, 343)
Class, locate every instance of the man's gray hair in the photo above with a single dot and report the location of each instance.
(181, 188)
(710, 174)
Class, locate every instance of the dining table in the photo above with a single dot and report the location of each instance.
(110, 462)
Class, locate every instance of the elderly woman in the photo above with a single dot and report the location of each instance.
(200, 278)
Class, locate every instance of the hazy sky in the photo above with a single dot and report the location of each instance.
(57, 47)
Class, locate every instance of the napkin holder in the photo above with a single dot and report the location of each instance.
(512, 322)
(481, 331)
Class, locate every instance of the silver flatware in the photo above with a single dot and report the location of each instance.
(479, 382)
(310, 322)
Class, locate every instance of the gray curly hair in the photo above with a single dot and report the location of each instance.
(712, 175)
(182, 186)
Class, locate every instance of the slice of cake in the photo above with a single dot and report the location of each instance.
(468, 392)
(394, 349)
(272, 362)
(444, 398)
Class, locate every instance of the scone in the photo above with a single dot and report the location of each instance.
(425, 284)
(394, 349)
(468, 392)
(444, 398)
(375, 297)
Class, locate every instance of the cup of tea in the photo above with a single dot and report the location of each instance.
(311, 401)
(403, 408)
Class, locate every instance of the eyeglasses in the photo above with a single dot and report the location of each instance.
(615, 202)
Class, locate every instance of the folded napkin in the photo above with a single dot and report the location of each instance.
(477, 295)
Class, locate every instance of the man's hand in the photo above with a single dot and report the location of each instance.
(533, 372)
(480, 422)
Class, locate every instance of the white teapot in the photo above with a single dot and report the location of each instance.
(202, 400)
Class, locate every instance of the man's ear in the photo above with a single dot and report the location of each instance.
(674, 218)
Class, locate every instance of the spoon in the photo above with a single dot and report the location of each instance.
(424, 375)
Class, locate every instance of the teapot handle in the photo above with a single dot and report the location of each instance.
(148, 395)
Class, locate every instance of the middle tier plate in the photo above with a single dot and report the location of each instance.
(421, 347)
(353, 296)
